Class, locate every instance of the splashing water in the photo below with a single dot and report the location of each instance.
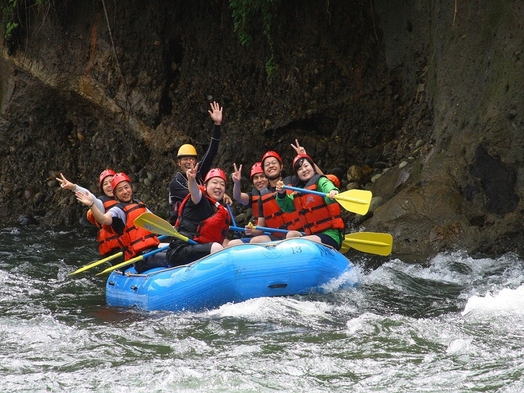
(454, 323)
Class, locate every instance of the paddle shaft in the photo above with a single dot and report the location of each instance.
(305, 190)
(231, 215)
(94, 264)
(133, 260)
(355, 201)
(107, 259)
(265, 229)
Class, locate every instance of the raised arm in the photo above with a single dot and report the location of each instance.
(67, 185)
(194, 189)
(302, 150)
(87, 199)
(239, 196)
(207, 159)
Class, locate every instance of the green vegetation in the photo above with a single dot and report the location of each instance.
(247, 13)
(9, 12)
(247, 16)
(8, 17)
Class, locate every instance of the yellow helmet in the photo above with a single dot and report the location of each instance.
(186, 150)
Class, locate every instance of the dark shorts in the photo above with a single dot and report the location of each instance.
(328, 240)
(156, 260)
(181, 253)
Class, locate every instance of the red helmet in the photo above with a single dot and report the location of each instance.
(215, 172)
(103, 175)
(334, 179)
(256, 168)
(298, 157)
(271, 153)
(119, 178)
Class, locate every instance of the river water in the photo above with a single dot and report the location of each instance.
(453, 323)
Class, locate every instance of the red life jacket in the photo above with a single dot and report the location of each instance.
(208, 230)
(135, 239)
(107, 237)
(276, 218)
(314, 213)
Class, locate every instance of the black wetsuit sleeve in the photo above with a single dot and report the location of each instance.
(178, 188)
(118, 225)
(209, 156)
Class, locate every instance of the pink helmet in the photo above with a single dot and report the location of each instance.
(298, 158)
(271, 153)
(256, 168)
(215, 172)
(103, 175)
(119, 178)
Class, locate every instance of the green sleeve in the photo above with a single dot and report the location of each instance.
(325, 185)
(286, 204)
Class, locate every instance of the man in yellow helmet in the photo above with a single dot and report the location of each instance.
(186, 159)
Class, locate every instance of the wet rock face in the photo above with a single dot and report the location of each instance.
(496, 181)
(371, 94)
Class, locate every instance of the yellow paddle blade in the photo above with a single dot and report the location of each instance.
(159, 226)
(356, 201)
(370, 242)
(87, 267)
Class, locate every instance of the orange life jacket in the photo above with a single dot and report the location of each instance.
(315, 214)
(135, 239)
(208, 230)
(107, 237)
(276, 218)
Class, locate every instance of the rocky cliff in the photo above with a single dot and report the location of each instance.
(418, 102)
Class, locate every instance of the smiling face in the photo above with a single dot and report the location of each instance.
(305, 171)
(106, 186)
(272, 168)
(123, 191)
(186, 163)
(216, 188)
(260, 181)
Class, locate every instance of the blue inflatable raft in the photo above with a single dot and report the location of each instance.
(289, 267)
